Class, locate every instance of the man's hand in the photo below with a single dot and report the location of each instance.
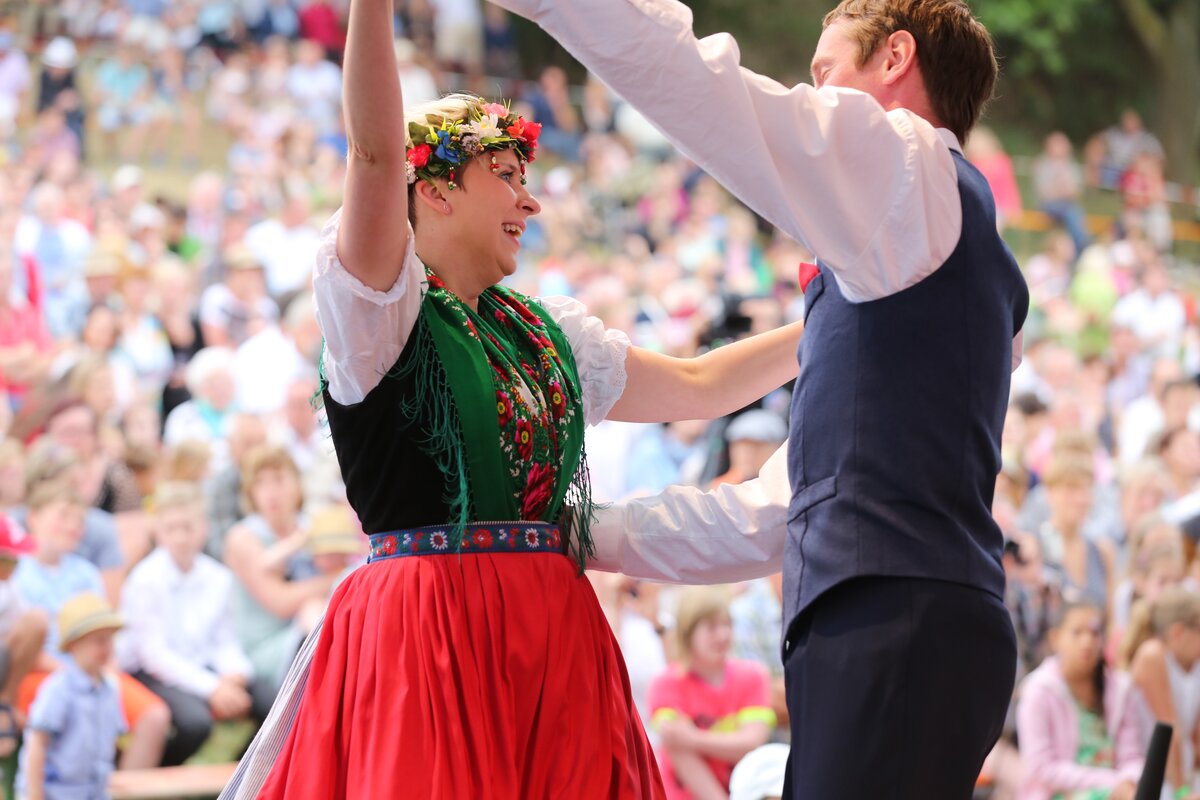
(229, 700)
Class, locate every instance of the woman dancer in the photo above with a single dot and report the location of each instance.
(470, 658)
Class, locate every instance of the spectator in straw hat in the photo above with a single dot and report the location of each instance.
(76, 719)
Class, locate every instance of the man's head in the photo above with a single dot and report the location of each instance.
(929, 56)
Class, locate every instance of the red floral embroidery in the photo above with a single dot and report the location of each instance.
(558, 399)
(504, 408)
(482, 538)
(524, 438)
(539, 488)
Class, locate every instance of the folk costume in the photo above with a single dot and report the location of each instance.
(470, 656)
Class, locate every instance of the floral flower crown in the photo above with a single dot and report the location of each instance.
(440, 150)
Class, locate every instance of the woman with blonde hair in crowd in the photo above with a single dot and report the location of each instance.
(275, 577)
(1081, 725)
(1154, 543)
(710, 710)
(1162, 648)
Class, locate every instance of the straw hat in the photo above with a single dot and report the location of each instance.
(334, 530)
(83, 614)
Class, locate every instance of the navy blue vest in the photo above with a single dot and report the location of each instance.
(896, 419)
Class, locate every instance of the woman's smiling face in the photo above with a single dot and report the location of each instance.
(490, 210)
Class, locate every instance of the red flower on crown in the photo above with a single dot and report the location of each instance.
(419, 156)
(525, 132)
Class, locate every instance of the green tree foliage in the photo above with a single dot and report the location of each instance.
(1066, 64)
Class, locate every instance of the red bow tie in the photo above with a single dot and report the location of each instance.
(807, 273)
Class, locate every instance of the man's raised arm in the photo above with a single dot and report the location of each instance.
(871, 193)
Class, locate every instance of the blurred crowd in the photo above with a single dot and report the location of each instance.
(166, 169)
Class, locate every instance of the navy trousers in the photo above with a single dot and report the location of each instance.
(897, 688)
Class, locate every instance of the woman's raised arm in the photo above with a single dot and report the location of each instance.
(374, 229)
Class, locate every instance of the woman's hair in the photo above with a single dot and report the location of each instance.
(1069, 467)
(457, 106)
(697, 604)
(453, 107)
(187, 461)
(1153, 620)
(1152, 534)
(55, 490)
(1056, 622)
(81, 375)
(260, 459)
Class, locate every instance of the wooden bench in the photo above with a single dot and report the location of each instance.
(170, 783)
(1040, 222)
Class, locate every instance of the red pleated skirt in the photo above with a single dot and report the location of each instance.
(473, 676)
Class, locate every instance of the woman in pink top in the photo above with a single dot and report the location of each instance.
(709, 709)
(1081, 725)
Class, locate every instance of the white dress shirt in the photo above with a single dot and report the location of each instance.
(179, 625)
(873, 193)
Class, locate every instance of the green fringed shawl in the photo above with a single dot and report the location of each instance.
(498, 407)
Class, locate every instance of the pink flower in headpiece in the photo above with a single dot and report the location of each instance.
(495, 108)
(419, 156)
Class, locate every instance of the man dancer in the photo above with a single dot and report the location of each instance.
(899, 653)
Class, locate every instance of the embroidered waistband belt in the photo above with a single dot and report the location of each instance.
(480, 537)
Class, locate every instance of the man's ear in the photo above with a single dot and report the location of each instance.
(431, 195)
(899, 56)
